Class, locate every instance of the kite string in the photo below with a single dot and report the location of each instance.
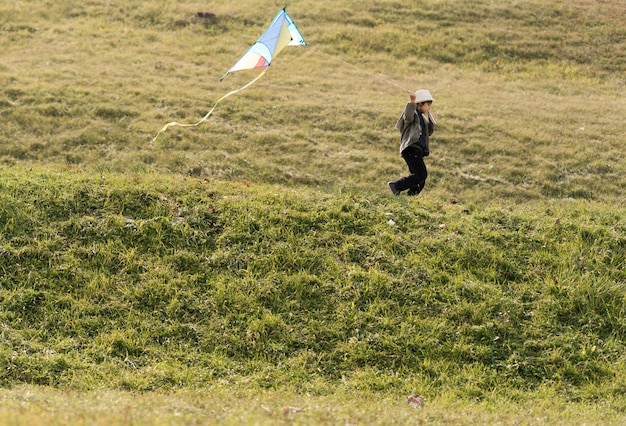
(175, 123)
(378, 76)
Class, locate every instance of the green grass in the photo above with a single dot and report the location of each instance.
(161, 283)
(236, 405)
(258, 262)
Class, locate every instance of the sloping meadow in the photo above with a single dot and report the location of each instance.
(529, 95)
(155, 282)
(263, 247)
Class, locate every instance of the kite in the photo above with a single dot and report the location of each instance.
(281, 33)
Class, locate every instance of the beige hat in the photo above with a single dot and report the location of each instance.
(423, 96)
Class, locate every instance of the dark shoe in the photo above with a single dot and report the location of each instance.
(394, 188)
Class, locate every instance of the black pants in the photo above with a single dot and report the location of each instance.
(417, 179)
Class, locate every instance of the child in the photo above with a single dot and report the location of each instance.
(415, 125)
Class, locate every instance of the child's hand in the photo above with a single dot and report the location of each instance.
(412, 97)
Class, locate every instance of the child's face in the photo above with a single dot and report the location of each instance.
(424, 107)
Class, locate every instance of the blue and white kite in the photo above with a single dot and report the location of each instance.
(281, 33)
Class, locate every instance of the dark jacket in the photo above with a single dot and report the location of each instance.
(410, 129)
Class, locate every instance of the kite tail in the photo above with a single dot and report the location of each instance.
(175, 123)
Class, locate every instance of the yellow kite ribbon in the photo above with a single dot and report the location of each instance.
(208, 114)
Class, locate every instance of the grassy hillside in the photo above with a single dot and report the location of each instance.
(530, 95)
(262, 250)
(153, 282)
